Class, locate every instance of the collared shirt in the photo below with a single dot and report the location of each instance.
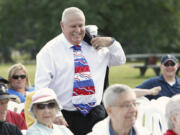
(55, 67)
(111, 131)
(167, 89)
(132, 131)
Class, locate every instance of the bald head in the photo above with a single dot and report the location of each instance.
(71, 11)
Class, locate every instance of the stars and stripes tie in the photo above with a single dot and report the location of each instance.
(83, 90)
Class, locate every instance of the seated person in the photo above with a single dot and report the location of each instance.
(19, 83)
(121, 106)
(173, 115)
(30, 120)
(168, 80)
(43, 108)
(11, 116)
(6, 127)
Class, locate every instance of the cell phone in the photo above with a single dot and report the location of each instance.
(88, 37)
(91, 32)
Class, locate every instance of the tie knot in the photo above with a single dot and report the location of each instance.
(76, 47)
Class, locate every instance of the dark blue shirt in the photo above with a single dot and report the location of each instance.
(167, 90)
(132, 132)
(111, 130)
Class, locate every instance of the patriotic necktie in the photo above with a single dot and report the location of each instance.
(83, 90)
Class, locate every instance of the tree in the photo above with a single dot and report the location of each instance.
(141, 26)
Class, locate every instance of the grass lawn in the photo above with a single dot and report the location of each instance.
(124, 74)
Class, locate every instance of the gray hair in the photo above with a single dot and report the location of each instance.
(172, 108)
(70, 11)
(113, 92)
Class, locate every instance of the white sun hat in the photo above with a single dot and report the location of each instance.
(44, 95)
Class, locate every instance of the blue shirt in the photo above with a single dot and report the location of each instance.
(132, 131)
(167, 90)
(22, 97)
(111, 130)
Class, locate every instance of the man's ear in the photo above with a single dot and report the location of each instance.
(108, 110)
(173, 119)
(62, 25)
(177, 65)
(161, 66)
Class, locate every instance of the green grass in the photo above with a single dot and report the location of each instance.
(124, 74)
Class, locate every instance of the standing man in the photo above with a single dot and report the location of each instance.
(76, 71)
(168, 80)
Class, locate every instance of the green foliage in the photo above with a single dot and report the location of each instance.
(142, 26)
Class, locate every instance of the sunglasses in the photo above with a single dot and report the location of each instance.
(169, 64)
(42, 106)
(19, 76)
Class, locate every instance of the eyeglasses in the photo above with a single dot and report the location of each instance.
(18, 76)
(42, 106)
(128, 105)
(169, 64)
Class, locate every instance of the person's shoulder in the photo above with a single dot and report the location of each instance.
(50, 44)
(15, 115)
(147, 83)
(30, 89)
(151, 82)
(62, 128)
(14, 92)
(11, 126)
(103, 124)
(9, 112)
(153, 79)
(33, 129)
(11, 91)
(54, 40)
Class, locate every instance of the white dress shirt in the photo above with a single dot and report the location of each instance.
(102, 128)
(55, 67)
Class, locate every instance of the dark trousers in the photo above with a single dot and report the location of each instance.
(81, 125)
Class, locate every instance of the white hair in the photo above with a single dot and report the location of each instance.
(71, 11)
(113, 92)
(172, 108)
